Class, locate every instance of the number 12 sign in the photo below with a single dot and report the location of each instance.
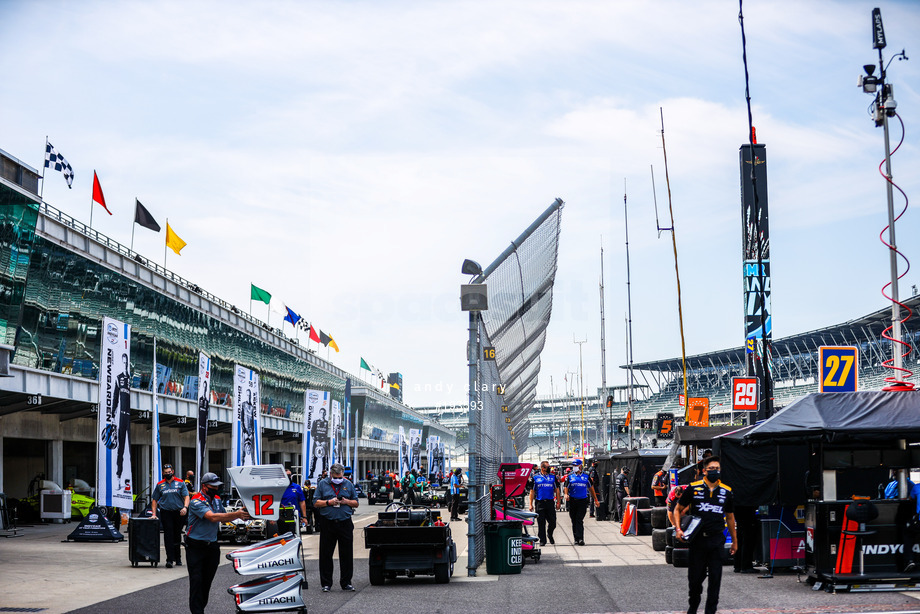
(745, 393)
(839, 367)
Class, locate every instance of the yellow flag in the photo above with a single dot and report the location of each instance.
(333, 344)
(173, 241)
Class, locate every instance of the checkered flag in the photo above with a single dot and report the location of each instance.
(56, 161)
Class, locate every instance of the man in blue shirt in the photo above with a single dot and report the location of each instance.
(335, 500)
(456, 480)
(202, 554)
(170, 504)
(294, 497)
(545, 489)
(577, 488)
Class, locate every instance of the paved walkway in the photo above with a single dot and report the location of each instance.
(612, 573)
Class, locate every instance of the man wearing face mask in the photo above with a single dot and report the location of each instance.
(577, 488)
(170, 504)
(545, 489)
(202, 554)
(335, 500)
(713, 502)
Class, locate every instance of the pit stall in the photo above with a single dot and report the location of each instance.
(848, 443)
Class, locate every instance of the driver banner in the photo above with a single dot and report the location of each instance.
(316, 435)
(246, 441)
(415, 450)
(336, 456)
(204, 410)
(403, 453)
(114, 484)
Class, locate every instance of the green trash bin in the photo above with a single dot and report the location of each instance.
(504, 544)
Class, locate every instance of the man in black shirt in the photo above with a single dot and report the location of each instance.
(622, 491)
(713, 502)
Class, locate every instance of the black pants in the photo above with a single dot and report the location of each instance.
(172, 532)
(620, 510)
(546, 518)
(202, 559)
(454, 506)
(410, 496)
(341, 534)
(577, 510)
(705, 557)
(660, 500)
(748, 532)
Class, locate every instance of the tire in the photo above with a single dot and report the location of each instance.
(644, 515)
(442, 573)
(641, 503)
(681, 557)
(659, 539)
(376, 575)
(659, 518)
(669, 555)
(371, 501)
(670, 533)
(644, 528)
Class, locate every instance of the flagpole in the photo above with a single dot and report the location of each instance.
(44, 166)
(165, 243)
(91, 201)
(268, 319)
(132, 235)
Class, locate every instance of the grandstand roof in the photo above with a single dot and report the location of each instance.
(878, 319)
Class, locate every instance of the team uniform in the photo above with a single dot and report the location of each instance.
(544, 488)
(337, 530)
(170, 497)
(454, 507)
(705, 556)
(202, 553)
(621, 483)
(578, 485)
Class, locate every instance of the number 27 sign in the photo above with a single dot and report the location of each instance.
(839, 367)
(745, 393)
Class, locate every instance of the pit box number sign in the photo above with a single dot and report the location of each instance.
(745, 393)
(839, 366)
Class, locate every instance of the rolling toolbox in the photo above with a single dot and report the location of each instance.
(144, 541)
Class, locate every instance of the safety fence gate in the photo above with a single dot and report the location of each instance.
(504, 359)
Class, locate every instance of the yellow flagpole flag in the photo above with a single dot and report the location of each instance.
(333, 344)
(173, 241)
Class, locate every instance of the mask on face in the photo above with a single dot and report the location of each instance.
(168, 476)
(338, 480)
(544, 469)
(713, 475)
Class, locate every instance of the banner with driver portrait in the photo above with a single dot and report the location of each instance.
(415, 450)
(204, 410)
(114, 483)
(246, 439)
(316, 435)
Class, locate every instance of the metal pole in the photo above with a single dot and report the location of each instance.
(604, 355)
(473, 429)
(892, 252)
(581, 390)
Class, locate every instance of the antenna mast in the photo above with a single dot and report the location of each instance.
(605, 414)
(629, 343)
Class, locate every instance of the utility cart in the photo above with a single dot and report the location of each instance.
(409, 541)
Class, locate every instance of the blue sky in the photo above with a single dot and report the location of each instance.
(347, 156)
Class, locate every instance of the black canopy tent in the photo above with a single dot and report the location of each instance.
(762, 475)
(642, 466)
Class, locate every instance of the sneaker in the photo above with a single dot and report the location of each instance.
(348, 587)
(168, 564)
(552, 541)
(178, 563)
(326, 589)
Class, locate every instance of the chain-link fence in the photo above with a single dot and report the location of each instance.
(505, 345)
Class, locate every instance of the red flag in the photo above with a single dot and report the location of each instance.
(313, 335)
(97, 193)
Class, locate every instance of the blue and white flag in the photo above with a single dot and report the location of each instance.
(114, 483)
(291, 317)
(246, 441)
(56, 161)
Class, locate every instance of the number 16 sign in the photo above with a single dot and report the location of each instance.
(745, 393)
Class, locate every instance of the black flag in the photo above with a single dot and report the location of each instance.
(143, 217)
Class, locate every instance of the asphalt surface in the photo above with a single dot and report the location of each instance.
(611, 574)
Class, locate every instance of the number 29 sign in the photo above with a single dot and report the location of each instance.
(745, 393)
(839, 367)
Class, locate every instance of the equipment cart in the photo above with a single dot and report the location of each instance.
(409, 541)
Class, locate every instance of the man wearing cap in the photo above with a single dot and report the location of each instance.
(335, 500)
(202, 554)
(170, 504)
(577, 488)
(545, 489)
(622, 491)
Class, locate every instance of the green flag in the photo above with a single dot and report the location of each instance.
(364, 365)
(258, 294)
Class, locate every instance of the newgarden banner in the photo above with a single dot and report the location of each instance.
(114, 483)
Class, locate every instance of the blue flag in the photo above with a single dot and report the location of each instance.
(291, 317)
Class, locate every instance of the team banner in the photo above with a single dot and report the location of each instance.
(403, 453)
(334, 435)
(316, 434)
(204, 411)
(665, 425)
(246, 442)
(431, 448)
(415, 450)
(114, 483)
(157, 454)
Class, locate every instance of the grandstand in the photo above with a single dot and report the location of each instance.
(556, 422)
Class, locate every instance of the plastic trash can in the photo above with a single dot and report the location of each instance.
(504, 546)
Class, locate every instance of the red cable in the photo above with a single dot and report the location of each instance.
(894, 383)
